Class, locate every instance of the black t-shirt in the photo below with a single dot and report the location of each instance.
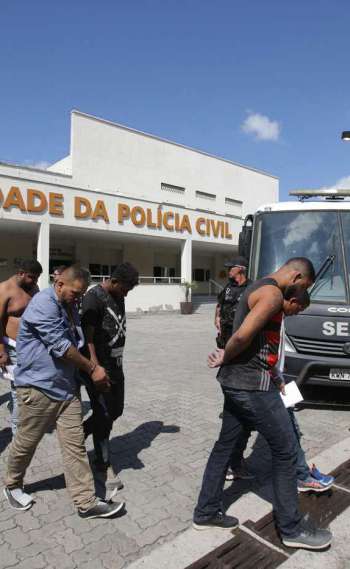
(107, 315)
(228, 300)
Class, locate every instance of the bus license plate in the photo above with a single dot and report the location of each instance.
(339, 374)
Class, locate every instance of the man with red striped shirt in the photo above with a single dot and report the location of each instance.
(252, 401)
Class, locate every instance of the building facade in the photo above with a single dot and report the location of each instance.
(123, 195)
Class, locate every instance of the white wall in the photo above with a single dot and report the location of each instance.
(108, 157)
(155, 298)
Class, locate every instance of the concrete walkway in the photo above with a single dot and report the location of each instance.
(160, 447)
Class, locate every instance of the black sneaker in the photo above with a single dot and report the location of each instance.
(221, 521)
(18, 499)
(309, 537)
(102, 510)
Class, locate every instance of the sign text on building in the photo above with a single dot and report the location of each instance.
(36, 201)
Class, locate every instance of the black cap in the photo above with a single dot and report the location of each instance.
(236, 262)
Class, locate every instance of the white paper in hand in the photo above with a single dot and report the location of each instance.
(292, 396)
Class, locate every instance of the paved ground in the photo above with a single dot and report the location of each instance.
(160, 448)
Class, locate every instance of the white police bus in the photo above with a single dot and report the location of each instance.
(318, 227)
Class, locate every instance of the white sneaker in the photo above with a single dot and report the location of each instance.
(18, 499)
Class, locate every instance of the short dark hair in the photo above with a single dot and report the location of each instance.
(29, 266)
(76, 273)
(59, 269)
(126, 274)
(303, 265)
(298, 292)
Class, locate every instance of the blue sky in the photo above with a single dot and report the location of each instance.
(261, 82)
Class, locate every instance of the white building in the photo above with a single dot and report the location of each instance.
(121, 194)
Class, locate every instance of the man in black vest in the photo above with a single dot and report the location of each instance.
(229, 297)
(228, 300)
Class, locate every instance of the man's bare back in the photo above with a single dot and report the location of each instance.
(13, 302)
(15, 295)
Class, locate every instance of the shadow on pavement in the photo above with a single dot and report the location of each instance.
(259, 463)
(52, 483)
(5, 397)
(125, 447)
(5, 438)
(124, 450)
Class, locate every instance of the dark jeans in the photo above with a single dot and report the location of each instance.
(106, 407)
(261, 411)
(303, 471)
(241, 445)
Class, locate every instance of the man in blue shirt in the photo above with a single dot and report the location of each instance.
(45, 377)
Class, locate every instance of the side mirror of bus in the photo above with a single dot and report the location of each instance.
(245, 238)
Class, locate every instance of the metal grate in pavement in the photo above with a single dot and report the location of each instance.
(342, 475)
(243, 551)
(240, 552)
(323, 508)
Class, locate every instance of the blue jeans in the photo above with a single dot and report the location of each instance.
(303, 471)
(261, 411)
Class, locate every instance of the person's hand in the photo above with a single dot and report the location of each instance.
(215, 359)
(217, 324)
(4, 359)
(100, 378)
(282, 387)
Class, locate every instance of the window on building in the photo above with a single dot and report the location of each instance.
(98, 269)
(205, 210)
(201, 275)
(205, 195)
(95, 268)
(172, 188)
(233, 207)
(198, 275)
(163, 273)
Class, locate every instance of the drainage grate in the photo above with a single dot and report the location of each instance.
(242, 551)
(323, 508)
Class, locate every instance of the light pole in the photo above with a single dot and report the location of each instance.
(345, 135)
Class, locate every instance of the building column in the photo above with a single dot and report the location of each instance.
(186, 261)
(43, 253)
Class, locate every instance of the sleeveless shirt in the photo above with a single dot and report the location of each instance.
(250, 370)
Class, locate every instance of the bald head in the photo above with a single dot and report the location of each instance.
(71, 284)
(75, 273)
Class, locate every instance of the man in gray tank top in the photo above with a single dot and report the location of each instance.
(252, 401)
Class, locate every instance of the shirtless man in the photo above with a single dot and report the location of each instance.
(15, 295)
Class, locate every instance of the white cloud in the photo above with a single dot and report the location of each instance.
(341, 184)
(299, 231)
(41, 164)
(261, 127)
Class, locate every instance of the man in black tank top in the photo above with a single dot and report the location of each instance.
(252, 401)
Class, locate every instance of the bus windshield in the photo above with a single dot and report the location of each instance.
(313, 234)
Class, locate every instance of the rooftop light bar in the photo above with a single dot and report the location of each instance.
(326, 193)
